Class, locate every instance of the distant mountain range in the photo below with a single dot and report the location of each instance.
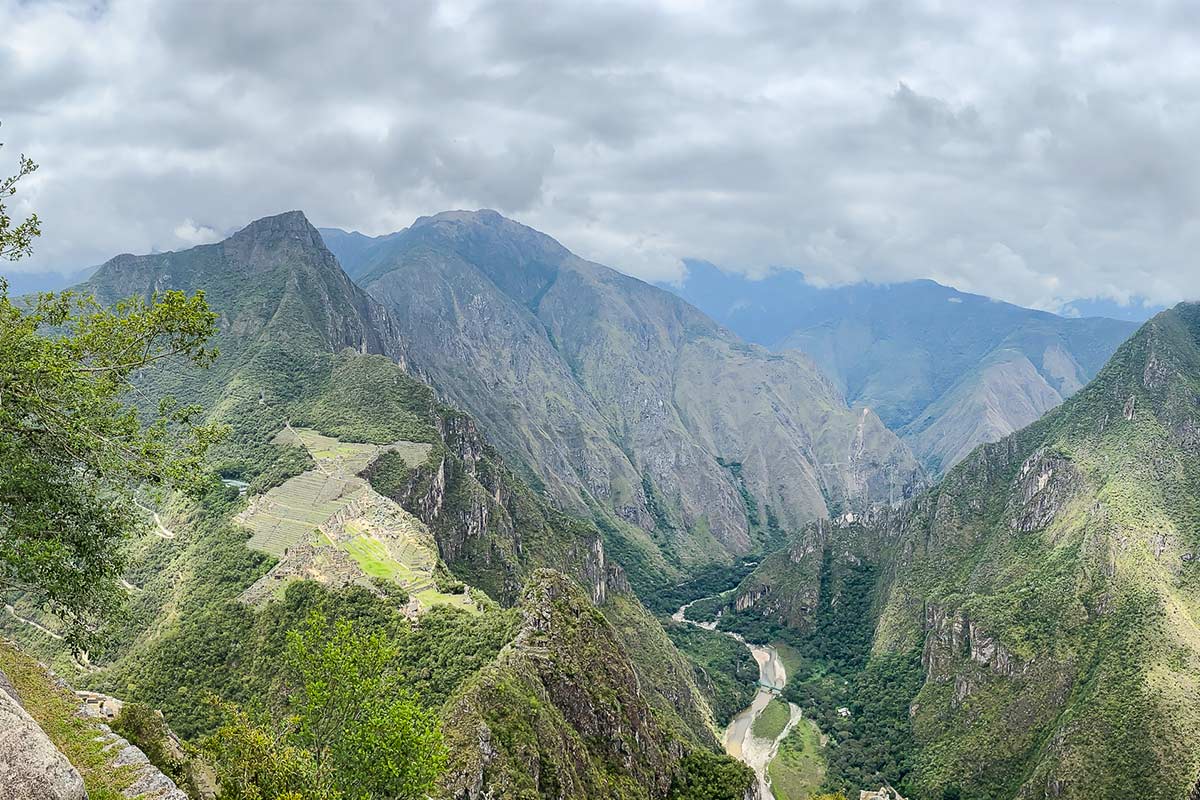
(20, 283)
(688, 444)
(581, 445)
(945, 369)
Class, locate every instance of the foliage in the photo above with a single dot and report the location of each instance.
(146, 728)
(875, 744)
(773, 719)
(73, 449)
(798, 771)
(16, 240)
(704, 775)
(346, 727)
(725, 670)
(711, 581)
(254, 761)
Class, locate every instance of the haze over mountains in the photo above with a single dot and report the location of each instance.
(945, 369)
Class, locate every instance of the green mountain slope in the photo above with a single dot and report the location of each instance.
(1046, 594)
(307, 357)
(946, 369)
(621, 400)
(560, 713)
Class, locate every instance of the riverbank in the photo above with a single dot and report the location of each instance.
(739, 738)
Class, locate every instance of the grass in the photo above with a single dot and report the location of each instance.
(799, 770)
(794, 662)
(293, 512)
(56, 711)
(289, 513)
(376, 561)
(773, 719)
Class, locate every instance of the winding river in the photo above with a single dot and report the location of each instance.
(739, 740)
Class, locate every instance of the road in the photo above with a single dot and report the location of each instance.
(160, 529)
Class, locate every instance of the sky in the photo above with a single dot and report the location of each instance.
(1038, 153)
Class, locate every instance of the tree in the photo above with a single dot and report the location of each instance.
(345, 728)
(73, 451)
(254, 761)
(704, 775)
(16, 241)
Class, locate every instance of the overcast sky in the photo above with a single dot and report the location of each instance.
(1035, 154)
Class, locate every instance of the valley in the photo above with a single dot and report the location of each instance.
(742, 738)
(652, 400)
(860, 624)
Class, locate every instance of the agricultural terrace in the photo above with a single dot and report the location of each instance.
(329, 525)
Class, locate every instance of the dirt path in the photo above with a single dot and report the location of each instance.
(160, 530)
(13, 612)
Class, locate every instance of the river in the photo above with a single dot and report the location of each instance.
(739, 739)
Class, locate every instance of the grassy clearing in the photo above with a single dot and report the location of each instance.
(793, 662)
(799, 770)
(56, 711)
(773, 719)
(376, 560)
(291, 512)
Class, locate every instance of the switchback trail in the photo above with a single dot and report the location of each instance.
(160, 529)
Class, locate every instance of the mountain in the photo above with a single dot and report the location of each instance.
(946, 369)
(560, 713)
(1036, 615)
(362, 496)
(20, 283)
(688, 445)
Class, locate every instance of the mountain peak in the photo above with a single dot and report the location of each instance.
(482, 216)
(285, 224)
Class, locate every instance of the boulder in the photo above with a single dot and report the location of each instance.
(31, 767)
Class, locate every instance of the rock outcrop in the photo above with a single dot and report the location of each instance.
(31, 767)
(562, 712)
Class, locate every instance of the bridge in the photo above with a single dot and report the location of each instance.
(770, 687)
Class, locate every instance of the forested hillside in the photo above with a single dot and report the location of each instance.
(1034, 615)
(310, 395)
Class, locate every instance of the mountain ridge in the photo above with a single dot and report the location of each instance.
(1045, 593)
(608, 392)
(301, 345)
(931, 360)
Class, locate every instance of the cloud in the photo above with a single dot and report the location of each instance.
(1035, 153)
(192, 234)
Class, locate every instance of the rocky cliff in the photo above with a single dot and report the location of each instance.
(561, 713)
(53, 748)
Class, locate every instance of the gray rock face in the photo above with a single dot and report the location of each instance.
(149, 782)
(1045, 485)
(950, 635)
(622, 398)
(31, 767)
